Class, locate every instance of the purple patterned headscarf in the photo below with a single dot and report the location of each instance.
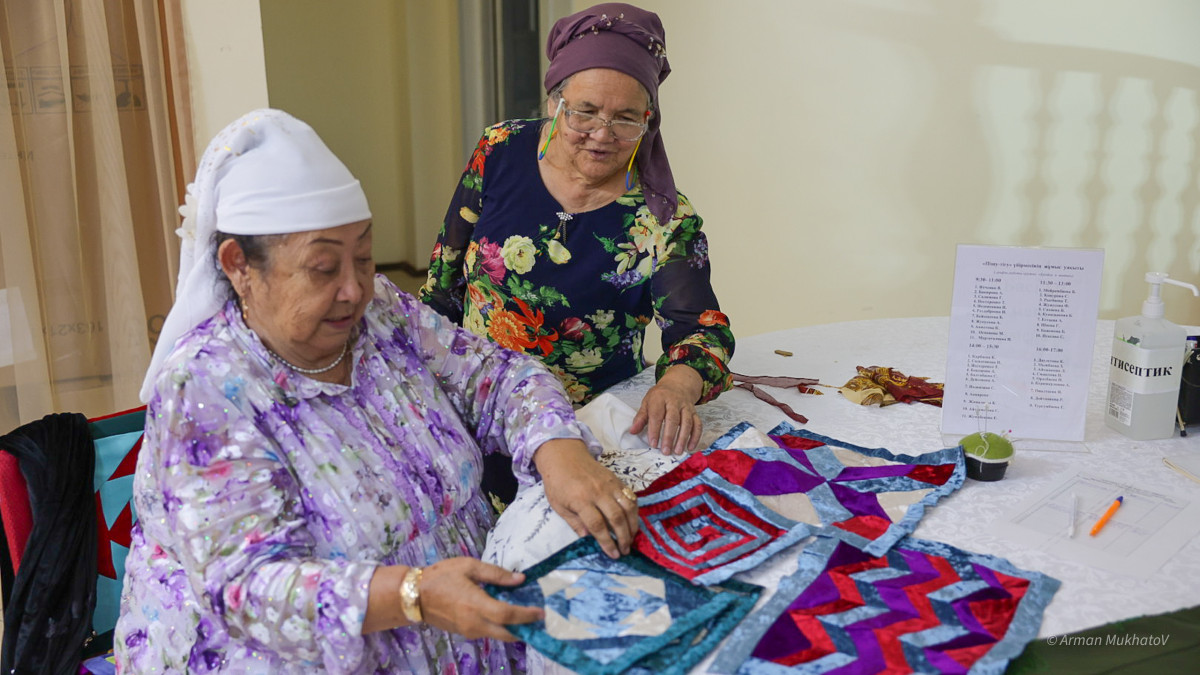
(630, 40)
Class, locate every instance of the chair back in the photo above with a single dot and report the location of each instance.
(116, 440)
(14, 513)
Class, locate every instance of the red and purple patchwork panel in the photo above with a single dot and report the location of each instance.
(870, 496)
(922, 607)
(705, 528)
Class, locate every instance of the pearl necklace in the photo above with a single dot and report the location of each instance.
(311, 371)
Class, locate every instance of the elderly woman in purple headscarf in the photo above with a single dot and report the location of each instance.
(308, 492)
(566, 234)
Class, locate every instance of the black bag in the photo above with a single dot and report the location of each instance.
(1189, 388)
(48, 621)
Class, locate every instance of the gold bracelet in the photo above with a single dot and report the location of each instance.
(410, 595)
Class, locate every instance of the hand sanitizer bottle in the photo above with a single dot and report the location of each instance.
(1145, 369)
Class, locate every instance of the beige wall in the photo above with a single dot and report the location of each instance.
(225, 63)
(307, 57)
(839, 149)
(350, 69)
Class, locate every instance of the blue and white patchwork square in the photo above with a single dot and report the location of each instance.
(582, 604)
(610, 616)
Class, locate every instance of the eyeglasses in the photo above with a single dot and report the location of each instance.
(587, 123)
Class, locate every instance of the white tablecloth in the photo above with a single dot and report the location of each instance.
(1088, 596)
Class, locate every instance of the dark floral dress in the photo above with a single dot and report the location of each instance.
(576, 289)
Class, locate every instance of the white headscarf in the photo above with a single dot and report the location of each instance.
(266, 173)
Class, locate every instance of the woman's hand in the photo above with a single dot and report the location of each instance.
(588, 496)
(668, 411)
(452, 600)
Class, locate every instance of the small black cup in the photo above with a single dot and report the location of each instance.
(981, 469)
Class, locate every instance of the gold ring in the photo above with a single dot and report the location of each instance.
(629, 494)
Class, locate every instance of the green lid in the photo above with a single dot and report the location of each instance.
(988, 446)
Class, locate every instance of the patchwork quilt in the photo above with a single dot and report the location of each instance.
(865, 597)
(920, 607)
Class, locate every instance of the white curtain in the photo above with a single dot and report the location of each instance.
(88, 188)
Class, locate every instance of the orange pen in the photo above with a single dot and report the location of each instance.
(1107, 514)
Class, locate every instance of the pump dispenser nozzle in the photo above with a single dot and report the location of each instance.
(1153, 306)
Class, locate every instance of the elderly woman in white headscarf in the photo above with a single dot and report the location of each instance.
(308, 490)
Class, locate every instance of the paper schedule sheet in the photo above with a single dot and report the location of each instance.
(1022, 331)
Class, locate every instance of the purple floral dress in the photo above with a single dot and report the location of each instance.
(267, 499)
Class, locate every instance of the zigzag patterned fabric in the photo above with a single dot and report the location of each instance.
(921, 607)
(606, 616)
(871, 496)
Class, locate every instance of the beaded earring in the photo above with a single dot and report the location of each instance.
(553, 126)
(630, 171)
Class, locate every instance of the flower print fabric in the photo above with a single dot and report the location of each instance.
(267, 499)
(576, 289)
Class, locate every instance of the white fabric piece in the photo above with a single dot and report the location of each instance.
(529, 531)
(265, 173)
(609, 419)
